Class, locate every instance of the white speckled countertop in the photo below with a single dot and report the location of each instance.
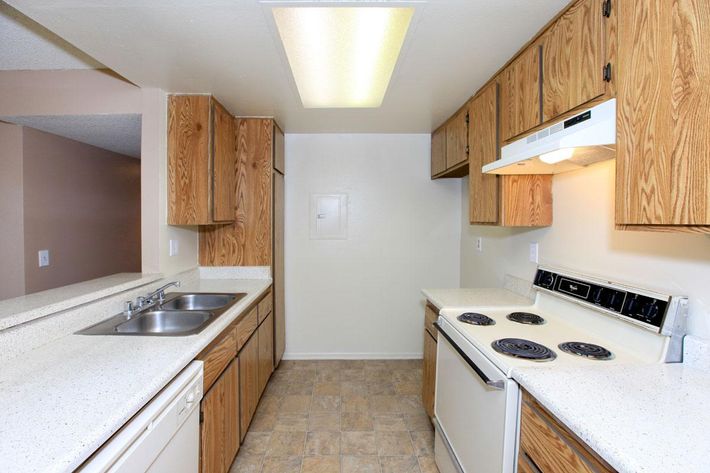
(483, 297)
(640, 419)
(65, 399)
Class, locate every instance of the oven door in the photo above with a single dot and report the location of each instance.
(476, 409)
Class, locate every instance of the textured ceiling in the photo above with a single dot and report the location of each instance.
(230, 48)
(117, 133)
(25, 45)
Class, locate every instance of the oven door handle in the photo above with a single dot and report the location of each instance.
(499, 385)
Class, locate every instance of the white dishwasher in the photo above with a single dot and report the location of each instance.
(163, 437)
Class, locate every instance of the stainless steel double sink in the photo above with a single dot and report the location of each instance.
(178, 315)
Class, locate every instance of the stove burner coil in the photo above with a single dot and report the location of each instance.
(525, 318)
(524, 349)
(588, 350)
(474, 318)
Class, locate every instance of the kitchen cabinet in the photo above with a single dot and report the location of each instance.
(218, 358)
(248, 382)
(201, 161)
(663, 85)
(438, 151)
(457, 139)
(526, 200)
(429, 362)
(546, 446)
(520, 93)
(277, 272)
(266, 351)
(219, 430)
(573, 59)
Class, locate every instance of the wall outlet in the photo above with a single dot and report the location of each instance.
(534, 253)
(43, 256)
(174, 248)
(479, 244)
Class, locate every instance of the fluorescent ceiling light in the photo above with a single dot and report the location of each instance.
(342, 57)
(556, 156)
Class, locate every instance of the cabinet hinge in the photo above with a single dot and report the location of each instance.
(202, 416)
(606, 8)
(467, 118)
(606, 74)
(467, 152)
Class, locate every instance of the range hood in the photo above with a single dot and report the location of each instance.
(584, 139)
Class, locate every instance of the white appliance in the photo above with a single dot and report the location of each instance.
(164, 437)
(575, 320)
(579, 141)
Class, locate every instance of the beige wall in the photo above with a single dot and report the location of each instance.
(82, 203)
(583, 238)
(12, 264)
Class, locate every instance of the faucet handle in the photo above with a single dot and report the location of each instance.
(128, 307)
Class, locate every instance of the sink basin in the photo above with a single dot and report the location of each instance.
(166, 322)
(198, 302)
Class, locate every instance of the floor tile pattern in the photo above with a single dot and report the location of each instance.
(340, 416)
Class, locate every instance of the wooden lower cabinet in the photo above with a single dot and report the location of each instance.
(219, 430)
(248, 382)
(546, 446)
(429, 373)
(265, 334)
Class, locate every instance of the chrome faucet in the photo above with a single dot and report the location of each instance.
(143, 302)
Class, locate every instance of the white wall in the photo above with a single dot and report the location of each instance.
(583, 238)
(360, 297)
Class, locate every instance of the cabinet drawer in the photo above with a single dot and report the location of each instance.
(217, 359)
(430, 316)
(246, 327)
(265, 305)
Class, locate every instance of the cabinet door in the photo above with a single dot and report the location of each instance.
(483, 144)
(248, 382)
(526, 200)
(520, 90)
(663, 85)
(457, 139)
(219, 432)
(266, 351)
(438, 151)
(573, 59)
(224, 164)
(429, 373)
(279, 310)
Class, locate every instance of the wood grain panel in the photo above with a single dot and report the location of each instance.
(438, 151)
(663, 89)
(219, 431)
(279, 310)
(526, 200)
(224, 157)
(248, 383)
(279, 150)
(525, 465)
(217, 359)
(189, 173)
(457, 139)
(431, 313)
(573, 58)
(246, 326)
(484, 149)
(520, 100)
(266, 351)
(429, 374)
(231, 414)
(265, 306)
(246, 242)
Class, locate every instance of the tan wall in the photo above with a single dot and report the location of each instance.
(12, 260)
(82, 203)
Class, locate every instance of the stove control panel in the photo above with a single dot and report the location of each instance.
(640, 307)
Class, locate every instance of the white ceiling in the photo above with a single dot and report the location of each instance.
(118, 133)
(231, 49)
(26, 45)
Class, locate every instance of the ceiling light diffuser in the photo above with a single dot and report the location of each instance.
(342, 57)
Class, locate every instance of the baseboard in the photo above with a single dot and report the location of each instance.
(352, 356)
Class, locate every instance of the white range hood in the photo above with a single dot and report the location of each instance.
(584, 139)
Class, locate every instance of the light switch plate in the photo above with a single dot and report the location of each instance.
(43, 256)
(479, 243)
(174, 247)
(534, 253)
(329, 217)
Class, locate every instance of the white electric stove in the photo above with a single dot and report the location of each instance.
(575, 320)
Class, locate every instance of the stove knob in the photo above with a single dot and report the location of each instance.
(650, 310)
(632, 305)
(597, 295)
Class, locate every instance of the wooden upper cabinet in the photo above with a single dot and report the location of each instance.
(438, 151)
(201, 161)
(520, 93)
(279, 150)
(663, 87)
(526, 200)
(484, 149)
(457, 139)
(573, 59)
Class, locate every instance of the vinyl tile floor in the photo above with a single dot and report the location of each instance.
(340, 416)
